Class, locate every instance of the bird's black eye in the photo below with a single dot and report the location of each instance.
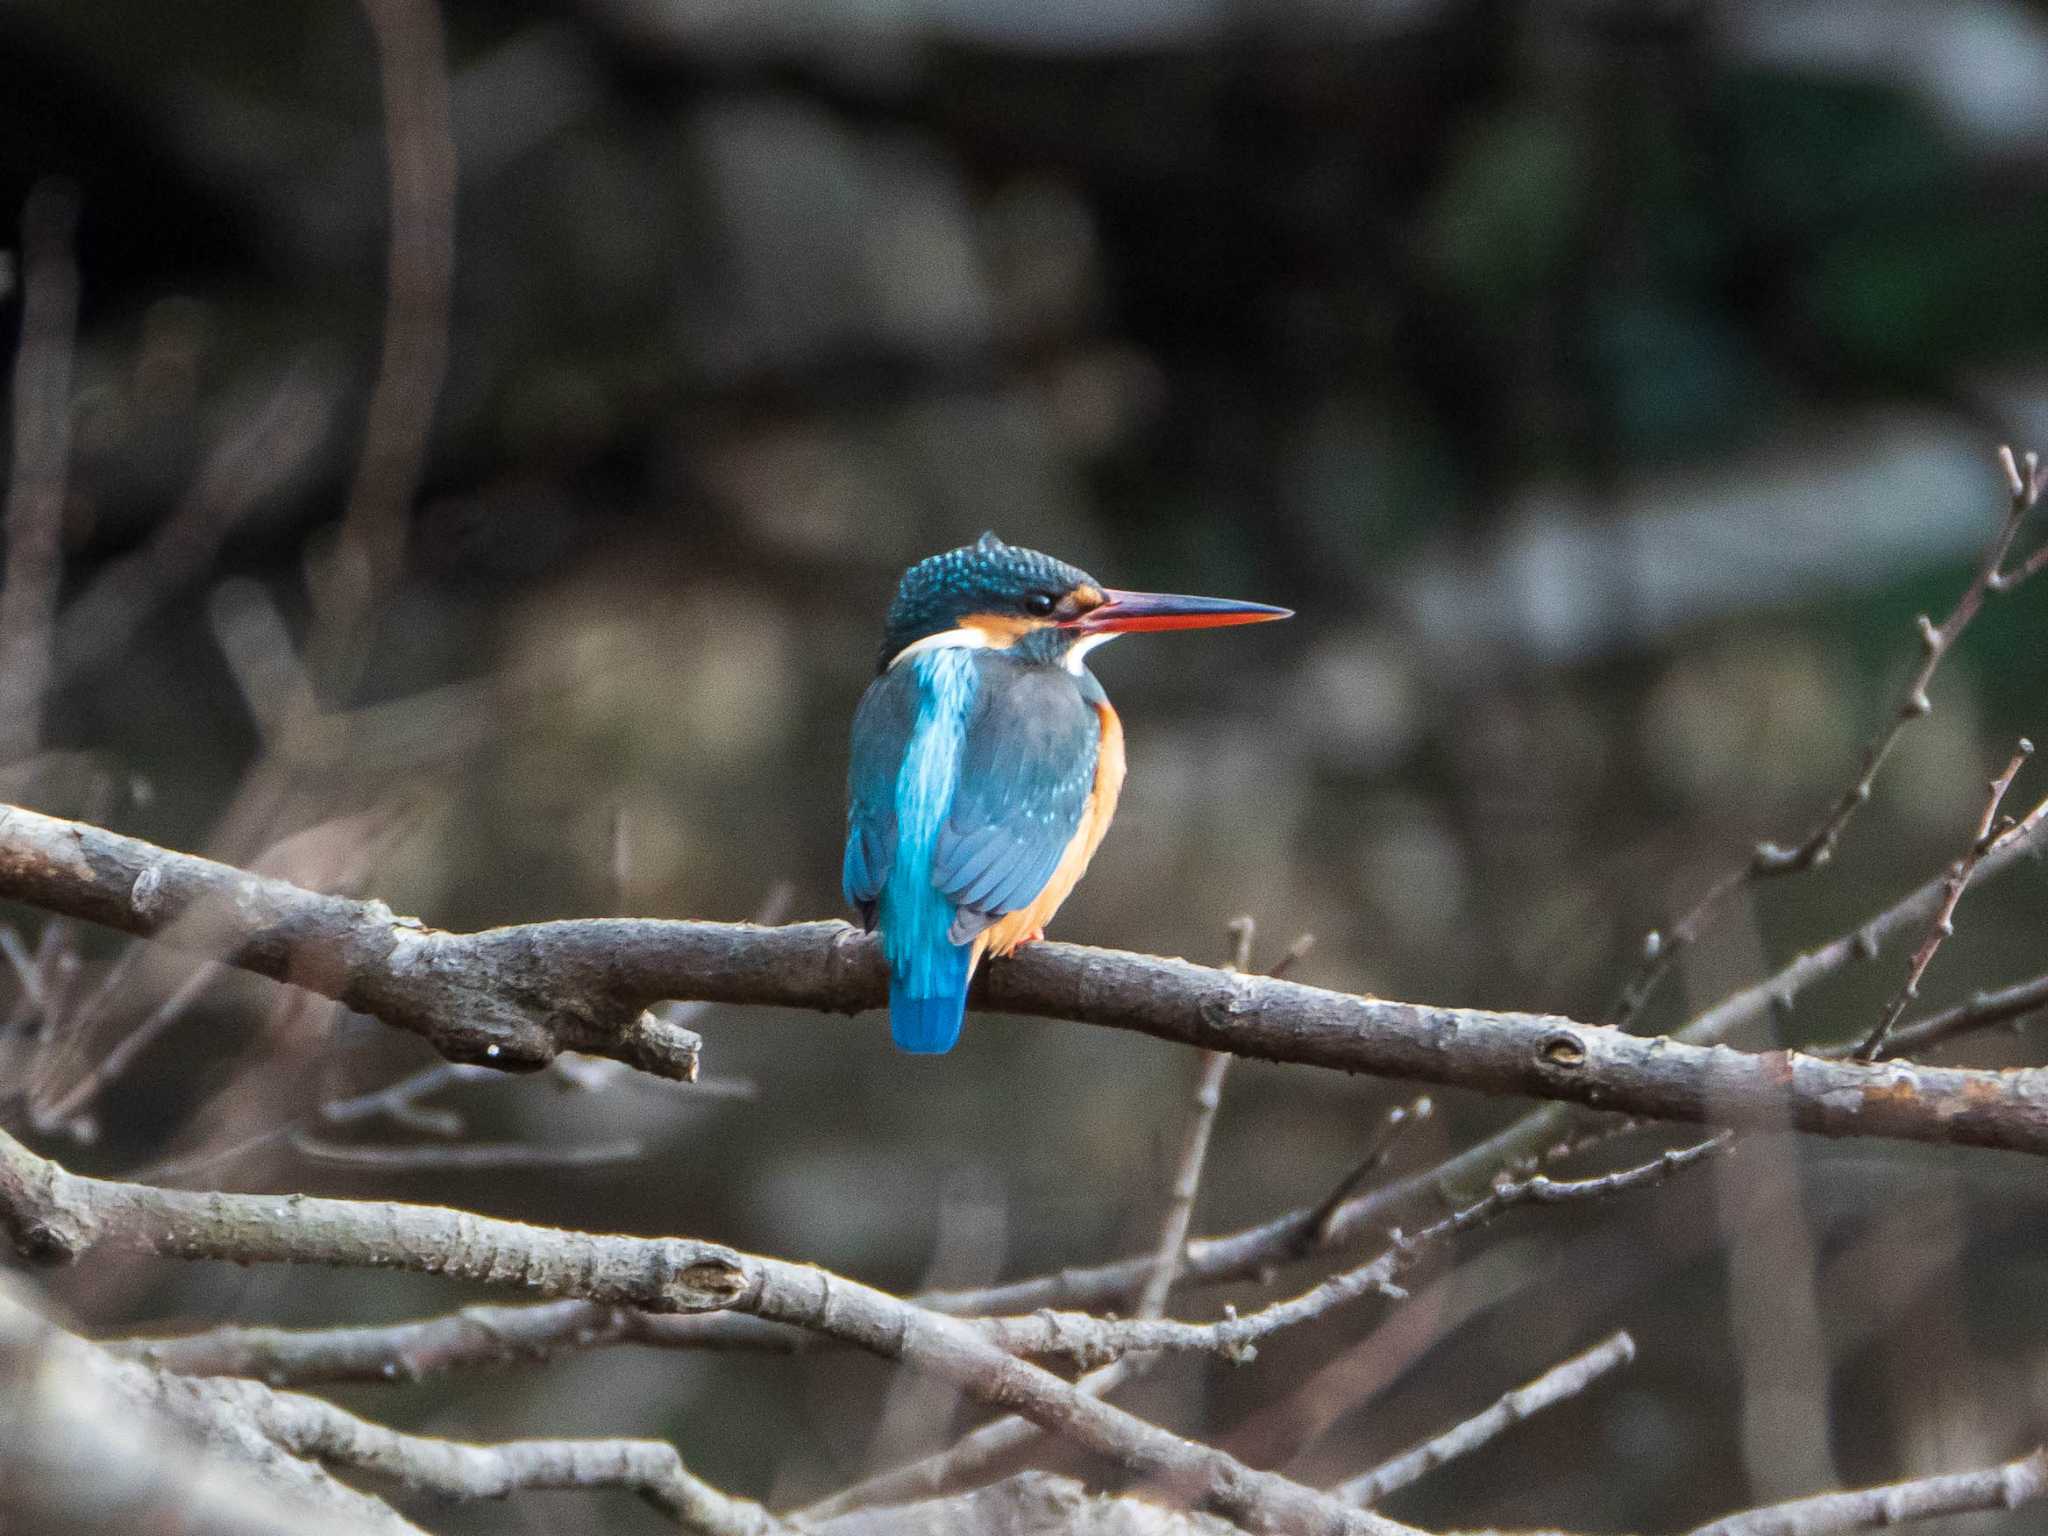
(1040, 603)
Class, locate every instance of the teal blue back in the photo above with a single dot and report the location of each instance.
(970, 774)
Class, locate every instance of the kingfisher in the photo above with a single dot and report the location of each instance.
(986, 763)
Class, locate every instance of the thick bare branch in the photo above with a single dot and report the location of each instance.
(514, 997)
(507, 1000)
(2015, 1484)
(52, 1214)
(1554, 1386)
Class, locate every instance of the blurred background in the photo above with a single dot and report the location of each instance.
(1608, 385)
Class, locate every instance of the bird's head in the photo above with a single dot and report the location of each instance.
(996, 595)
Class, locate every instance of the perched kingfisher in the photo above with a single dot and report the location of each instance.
(987, 763)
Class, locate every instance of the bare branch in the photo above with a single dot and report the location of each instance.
(51, 1214)
(1318, 1230)
(2007, 1005)
(514, 997)
(1194, 1150)
(475, 1337)
(42, 456)
(1554, 1386)
(505, 1003)
(89, 1441)
(321, 1432)
(91, 1444)
(1944, 922)
(506, 1335)
(1818, 846)
(399, 1102)
(2011, 1486)
(1084, 1337)
(468, 1157)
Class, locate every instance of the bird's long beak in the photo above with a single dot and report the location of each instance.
(1126, 611)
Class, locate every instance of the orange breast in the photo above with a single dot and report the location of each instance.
(1007, 932)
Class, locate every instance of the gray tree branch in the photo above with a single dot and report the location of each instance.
(2017, 1483)
(52, 1214)
(319, 1432)
(1554, 1386)
(515, 997)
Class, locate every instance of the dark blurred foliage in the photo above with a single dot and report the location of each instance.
(1607, 384)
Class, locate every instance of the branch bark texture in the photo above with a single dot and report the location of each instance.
(514, 997)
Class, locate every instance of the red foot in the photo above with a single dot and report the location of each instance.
(1035, 936)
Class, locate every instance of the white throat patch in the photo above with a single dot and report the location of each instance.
(969, 638)
(966, 638)
(1077, 653)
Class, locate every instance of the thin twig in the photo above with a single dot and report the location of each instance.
(42, 454)
(1236, 1338)
(78, 1098)
(1212, 1068)
(1944, 924)
(2008, 1005)
(1661, 948)
(1317, 1230)
(2011, 1486)
(468, 1157)
(1554, 1386)
(399, 1102)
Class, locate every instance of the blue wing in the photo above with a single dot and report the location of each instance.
(969, 778)
(1027, 766)
(881, 737)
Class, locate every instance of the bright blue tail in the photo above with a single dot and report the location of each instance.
(929, 1025)
(926, 1026)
